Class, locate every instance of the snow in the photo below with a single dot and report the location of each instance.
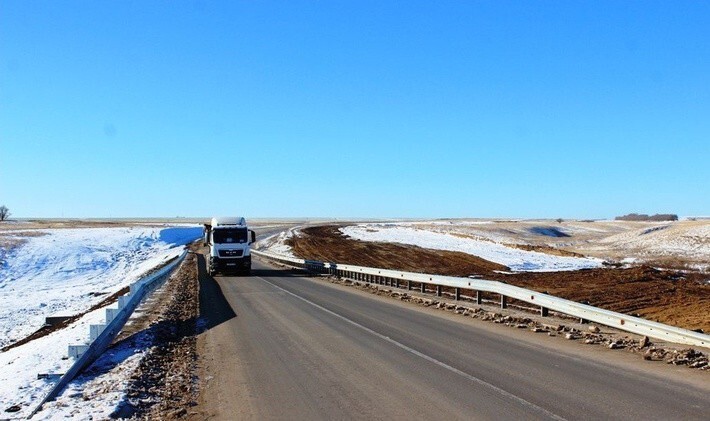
(68, 271)
(277, 243)
(100, 391)
(516, 259)
(20, 366)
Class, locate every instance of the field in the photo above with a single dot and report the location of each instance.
(68, 268)
(658, 271)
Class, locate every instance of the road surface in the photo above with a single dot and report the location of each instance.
(277, 345)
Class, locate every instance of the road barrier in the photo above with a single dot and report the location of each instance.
(102, 335)
(545, 302)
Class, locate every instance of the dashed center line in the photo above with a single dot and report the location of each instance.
(426, 357)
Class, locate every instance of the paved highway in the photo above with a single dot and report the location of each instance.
(279, 345)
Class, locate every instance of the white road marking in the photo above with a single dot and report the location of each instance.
(422, 355)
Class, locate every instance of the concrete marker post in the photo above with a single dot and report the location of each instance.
(76, 351)
(123, 301)
(95, 331)
(111, 314)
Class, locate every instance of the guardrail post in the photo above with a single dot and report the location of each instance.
(423, 287)
(133, 288)
(503, 301)
(544, 311)
(479, 298)
(123, 300)
(458, 294)
(438, 290)
(397, 282)
(111, 314)
(409, 285)
(76, 351)
(95, 331)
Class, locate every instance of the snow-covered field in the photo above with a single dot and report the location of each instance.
(67, 271)
(683, 244)
(515, 259)
(691, 242)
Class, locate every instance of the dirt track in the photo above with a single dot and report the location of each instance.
(672, 297)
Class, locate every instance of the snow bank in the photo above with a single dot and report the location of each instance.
(277, 243)
(516, 259)
(67, 271)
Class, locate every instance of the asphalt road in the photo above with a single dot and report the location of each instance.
(277, 345)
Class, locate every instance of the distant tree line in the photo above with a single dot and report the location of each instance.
(644, 217)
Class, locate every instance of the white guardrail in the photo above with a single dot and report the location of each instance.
(101, 336)
(544, 301)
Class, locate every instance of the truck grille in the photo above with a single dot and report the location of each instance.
(231, 253)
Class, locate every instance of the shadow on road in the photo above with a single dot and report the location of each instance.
(214, 308)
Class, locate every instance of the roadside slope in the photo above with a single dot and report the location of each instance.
(669, 296)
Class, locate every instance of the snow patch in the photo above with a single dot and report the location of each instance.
(277, 243)
(516, 259)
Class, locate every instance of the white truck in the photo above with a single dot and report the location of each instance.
(229, 240)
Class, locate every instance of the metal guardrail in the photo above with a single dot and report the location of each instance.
(127, 304)
(544, 301)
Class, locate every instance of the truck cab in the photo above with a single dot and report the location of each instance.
(229, 240)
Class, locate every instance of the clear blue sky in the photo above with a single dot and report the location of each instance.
(354, 109)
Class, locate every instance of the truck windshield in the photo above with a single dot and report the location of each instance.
(230, 235)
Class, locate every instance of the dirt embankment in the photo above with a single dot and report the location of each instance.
(668, 296)
(164, 385)
(327, 243)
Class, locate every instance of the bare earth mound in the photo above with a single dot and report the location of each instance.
(327, 243)
(668, 296)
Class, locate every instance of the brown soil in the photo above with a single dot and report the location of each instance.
(163, 386)
(668, 296)
(326, 243)
(545, 249)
